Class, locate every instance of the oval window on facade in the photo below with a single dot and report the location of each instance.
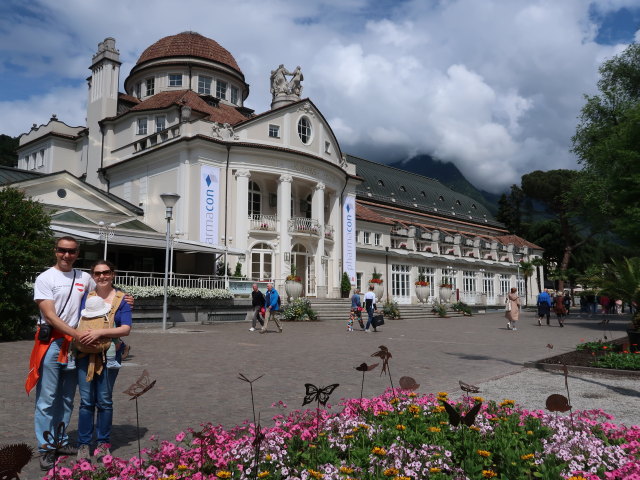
(304, 130)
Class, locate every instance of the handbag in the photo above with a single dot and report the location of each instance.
(507, 307)
(378, 320)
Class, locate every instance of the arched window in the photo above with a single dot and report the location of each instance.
(261, 262)
(255, 199)
(304, 130)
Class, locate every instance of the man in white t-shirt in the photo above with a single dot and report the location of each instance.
(370, 304)
(58, 292)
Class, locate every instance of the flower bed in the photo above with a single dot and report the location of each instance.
(178, 292)
(403, 437)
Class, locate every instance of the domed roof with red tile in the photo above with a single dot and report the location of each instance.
(189, 44)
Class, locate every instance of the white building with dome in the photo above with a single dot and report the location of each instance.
(269, 191)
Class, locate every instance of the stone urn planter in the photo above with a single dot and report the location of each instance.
(445, 294)
(422, 292)
(378, 290)
(293, 289)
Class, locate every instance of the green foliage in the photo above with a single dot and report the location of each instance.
(461, 307)
(375, 275)
(619, 361)
(345, 284)
(597, 346)
(390, 309)
(238, 272)
(622, 280)
(510, 210)
(25, 249)
(607, 142)
(299, 311)
(220, 269)
(440, 309)
(8, 147)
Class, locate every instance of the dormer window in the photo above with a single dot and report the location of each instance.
(381, 183)
(304, 130)
(473, 205)
(204, 85)
(403, 188)
(221, 89)
(175, 79)
(458, 202)
(151, 86)
(142, 126)
(441, 198)
(274, 131)
(161, 121)
(234, 95)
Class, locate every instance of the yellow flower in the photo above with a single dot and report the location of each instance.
(528, 456)
(383, 412)
(579, 477)
(489, 474)
(413, 395)
(413, 409)
(268, 457)
(321, 434)
(529, 432)
(347, 470)
(435, 429)
(507, 403)
(400, 427)
(183, 467)
(223, 474)
(444, 423)
(263, 474)
(401, 477)
(391, 472)
(438, 409)
(443, 394)
(315, 474)
(473, 427)
(378, 451)
(478, 399)
(365, 426)
(484, 453)
(435, 470)
(348, 437)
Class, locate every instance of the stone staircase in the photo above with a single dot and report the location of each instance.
(338, 309)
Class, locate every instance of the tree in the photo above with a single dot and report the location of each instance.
(510, 210)
(552, 189)
(26, 249)
(607, 143)
(8, 147)
(526, 269)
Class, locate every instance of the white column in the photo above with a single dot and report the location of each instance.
(317, 212)
(240, 211)
(335, 220)
(284, 214)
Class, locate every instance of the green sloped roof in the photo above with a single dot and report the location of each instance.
(10, 175)
(415, 192)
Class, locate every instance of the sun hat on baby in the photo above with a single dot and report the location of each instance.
(95, 307)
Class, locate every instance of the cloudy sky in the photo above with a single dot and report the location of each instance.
(493, 85)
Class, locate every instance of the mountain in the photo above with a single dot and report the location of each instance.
(448, 174)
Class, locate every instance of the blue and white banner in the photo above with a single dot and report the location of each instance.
(349, 237)
(209, 204)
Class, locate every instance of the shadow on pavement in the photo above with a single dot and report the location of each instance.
(468, 356)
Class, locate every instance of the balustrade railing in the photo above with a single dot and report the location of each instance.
(156, 279)
(267, 223)
(304, 225)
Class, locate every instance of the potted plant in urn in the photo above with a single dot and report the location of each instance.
(422, 288)
(345, 285)
(293, 284)
(446, 287)
(376, 282)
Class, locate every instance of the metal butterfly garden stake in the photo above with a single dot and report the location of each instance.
(363, 367)
(321, 397)
(13, 459)
(258, 432)
(136, 390)
(385, 355)
(55, 442)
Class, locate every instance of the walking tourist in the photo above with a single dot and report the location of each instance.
(257, 303)
(544, 306)
(512, 309)
(272, 307)
(95, 376)
(356, 308)
(558, 307)
(58, 292)
(370, 304)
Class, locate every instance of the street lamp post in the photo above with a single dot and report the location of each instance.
(174, 238)
(106, 232)
(169, 200)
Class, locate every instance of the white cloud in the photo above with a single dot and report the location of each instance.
(495, 86)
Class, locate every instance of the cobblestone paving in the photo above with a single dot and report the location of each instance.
(196, 368)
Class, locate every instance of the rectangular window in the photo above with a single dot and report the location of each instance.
(367, 238)
(234, 95)
(151, 86)
(138, 90)
(221, 89)
(41, 158)
(488, 285)
(377, 239)
(468, 281)
(327, 147)
(175, 79)
(429, 276)
(400, 276)
(359, 280)
(357, 236)
(204, 85)
(142, 126)
(274, 131)
(505, 284)
(160, 123)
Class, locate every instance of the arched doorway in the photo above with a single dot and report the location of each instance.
(261, 262)
(305, 268)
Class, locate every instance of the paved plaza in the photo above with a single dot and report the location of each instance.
(196, 368)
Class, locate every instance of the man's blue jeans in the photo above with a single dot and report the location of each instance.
(54, 395)
(370, 320)
(95, 395)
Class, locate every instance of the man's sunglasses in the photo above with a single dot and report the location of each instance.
(101, 273)
(70, 251)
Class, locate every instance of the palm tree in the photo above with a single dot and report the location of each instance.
(538, 262)
(527, 271)
(622, 280)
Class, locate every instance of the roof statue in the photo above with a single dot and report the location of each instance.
(284, 90)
